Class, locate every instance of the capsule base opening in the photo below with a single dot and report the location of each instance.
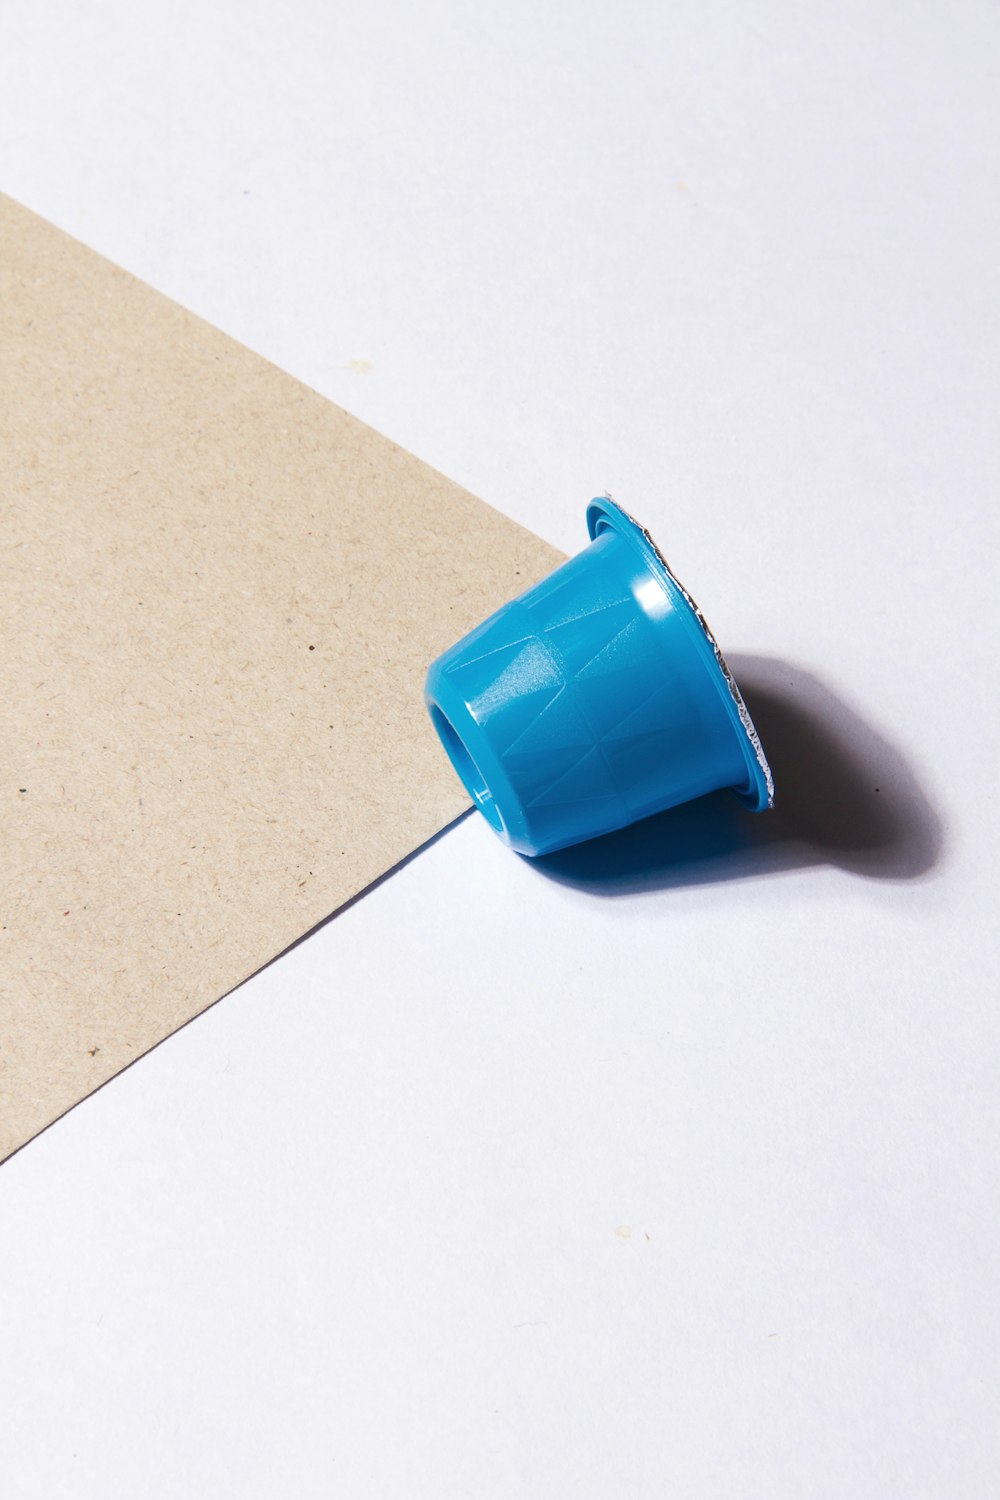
(472, 778)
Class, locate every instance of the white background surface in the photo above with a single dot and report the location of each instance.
(671, 1170)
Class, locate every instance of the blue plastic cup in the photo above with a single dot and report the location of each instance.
(596, 698)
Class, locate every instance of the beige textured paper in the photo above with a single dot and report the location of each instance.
(218, 597)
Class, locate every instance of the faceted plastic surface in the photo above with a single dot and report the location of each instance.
(592, 700)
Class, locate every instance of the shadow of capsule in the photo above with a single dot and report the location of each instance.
(843, 796)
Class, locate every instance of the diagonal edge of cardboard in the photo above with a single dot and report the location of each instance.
(219, 593)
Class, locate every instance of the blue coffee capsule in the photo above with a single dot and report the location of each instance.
(594, 699)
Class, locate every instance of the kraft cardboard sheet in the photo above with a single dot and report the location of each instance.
(219, 594)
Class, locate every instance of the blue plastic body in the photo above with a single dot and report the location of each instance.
(594, 699)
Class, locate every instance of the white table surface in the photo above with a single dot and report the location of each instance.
(671, 1169)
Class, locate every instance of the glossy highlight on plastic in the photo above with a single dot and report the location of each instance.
(594, 699)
